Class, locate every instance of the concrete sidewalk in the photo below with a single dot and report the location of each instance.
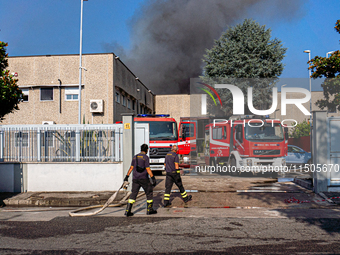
(209, 191)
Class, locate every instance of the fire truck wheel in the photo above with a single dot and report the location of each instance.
(212, 161)
(233, 171)
(232, 162)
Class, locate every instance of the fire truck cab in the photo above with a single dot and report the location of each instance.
(191, 139)
(246, 144)
(163, 134)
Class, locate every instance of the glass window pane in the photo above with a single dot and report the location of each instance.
(46, 94)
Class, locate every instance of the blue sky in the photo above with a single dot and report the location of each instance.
(40, 27)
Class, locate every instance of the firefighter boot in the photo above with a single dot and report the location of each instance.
(150, 209)
(166, 203)
(187, 198)
(128, 210)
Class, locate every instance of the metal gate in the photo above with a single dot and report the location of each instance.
(61, 143)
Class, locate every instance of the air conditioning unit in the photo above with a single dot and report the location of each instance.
(96, 106)
(47, 122)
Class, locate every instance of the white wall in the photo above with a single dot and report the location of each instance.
(73, 176)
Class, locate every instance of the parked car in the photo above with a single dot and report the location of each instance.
(297, 156)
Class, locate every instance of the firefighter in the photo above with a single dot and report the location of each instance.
(173, 175)
(141, 169)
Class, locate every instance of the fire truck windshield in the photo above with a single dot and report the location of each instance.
(162, 130)
(266, 132)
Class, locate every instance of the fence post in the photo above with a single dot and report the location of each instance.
(319, 153)
(38, 145)
(129, 143)
(77, 145)
(1, 145)
(116, 145)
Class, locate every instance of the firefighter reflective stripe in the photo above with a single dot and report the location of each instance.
(131, 201)
(149, 201)
(178, 171)
(166, 196)
(184, 194)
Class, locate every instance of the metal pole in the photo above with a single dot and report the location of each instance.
(38, 145)
(77, 145)
(80, 60)
(327, 54)
(310, 102)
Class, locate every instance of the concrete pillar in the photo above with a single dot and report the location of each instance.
(129, 143)
(319, 150)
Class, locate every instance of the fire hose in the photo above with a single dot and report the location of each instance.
(107, 204)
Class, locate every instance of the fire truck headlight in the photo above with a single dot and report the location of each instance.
(249, 162)
(186, 160)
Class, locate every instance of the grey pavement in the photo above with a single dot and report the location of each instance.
(208, 191)
(233, 215)
(258, 233)
(213, 196)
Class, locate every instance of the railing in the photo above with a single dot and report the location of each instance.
(61, 143)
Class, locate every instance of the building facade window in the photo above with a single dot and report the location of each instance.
(117, 97)
(25, 93)
(133, 104)
(129, 103)
(46, 94)
(71, 94)
(123, 100)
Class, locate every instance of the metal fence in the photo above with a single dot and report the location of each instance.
(61, 143)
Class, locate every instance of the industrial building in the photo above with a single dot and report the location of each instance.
(50, 85)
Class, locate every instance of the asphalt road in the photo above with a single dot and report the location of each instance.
(164, 235)
(263, 229)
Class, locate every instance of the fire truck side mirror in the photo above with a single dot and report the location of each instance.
(286, 133)
(183, 132)
(238, 136)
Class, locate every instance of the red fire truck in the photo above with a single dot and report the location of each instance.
(191, 139)
(246, 142)
(163, 134)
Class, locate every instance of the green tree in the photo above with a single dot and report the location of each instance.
(328, 68)
(10, 94)
(301, 129)
(245, 51)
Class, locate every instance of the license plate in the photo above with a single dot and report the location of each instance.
(157, 160)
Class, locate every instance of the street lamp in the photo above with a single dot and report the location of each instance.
(330, 52)
(80, 58)
(310, 102)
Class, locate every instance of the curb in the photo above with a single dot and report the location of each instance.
(63, 200)
(303, 183)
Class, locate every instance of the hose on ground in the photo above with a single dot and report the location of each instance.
(107, 204)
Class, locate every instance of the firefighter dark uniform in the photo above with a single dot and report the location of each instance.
(140, 179)
(173, 176)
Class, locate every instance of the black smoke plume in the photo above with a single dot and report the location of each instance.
(169, 37)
